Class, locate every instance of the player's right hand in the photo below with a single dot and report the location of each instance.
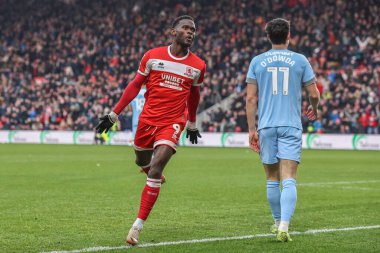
(106, 122)
(311, 114)
(254, 143)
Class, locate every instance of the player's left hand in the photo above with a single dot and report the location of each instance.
(192, 132)
(254, 141)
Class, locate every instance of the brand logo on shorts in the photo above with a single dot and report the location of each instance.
(177, 129)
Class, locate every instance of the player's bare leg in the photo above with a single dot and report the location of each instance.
(272, 172)
(162, 155)
(288, 171)
(143, 160)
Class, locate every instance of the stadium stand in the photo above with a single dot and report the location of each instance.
(63, 62)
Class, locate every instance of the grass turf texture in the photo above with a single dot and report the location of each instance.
(73, 197)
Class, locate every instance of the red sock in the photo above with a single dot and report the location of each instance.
(149, 197)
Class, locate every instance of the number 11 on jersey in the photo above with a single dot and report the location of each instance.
(285, 85)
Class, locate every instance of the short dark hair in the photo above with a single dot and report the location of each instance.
(278, 30)
(176, 21)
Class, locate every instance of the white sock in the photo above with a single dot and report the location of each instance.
(284, 226)
(277, 222)
(138, 223)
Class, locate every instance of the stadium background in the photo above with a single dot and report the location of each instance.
(65, 63)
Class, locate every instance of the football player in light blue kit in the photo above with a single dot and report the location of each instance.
(137, 105)
(275, 81)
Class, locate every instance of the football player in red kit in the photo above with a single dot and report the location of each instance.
(172, 75)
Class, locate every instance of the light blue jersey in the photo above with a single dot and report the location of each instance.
(280, 75)
(137, 106)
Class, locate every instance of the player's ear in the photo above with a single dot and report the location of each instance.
(288, 36)
(173, 31)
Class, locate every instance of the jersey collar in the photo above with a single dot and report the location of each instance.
(177, 58)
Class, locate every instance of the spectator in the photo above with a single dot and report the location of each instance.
(363, 123)
(58, 59)
(373, 123)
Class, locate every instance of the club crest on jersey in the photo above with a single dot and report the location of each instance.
(189, 72)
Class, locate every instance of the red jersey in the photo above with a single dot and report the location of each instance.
(168, 85)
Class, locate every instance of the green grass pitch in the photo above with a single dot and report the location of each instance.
(75, 197)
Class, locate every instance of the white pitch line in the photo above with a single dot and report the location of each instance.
(358, 188)
(215, 239)
(339, 183)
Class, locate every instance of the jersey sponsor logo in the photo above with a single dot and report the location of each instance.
(172, 82)
(174, 87)
(172, 79)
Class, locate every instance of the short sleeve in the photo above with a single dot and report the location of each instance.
(145, 66)
(199, 81)
(308, 74)
(251, 75)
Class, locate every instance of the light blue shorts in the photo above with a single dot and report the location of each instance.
(280, 143)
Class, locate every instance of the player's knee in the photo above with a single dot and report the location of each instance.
(275, 177)
(141, 162)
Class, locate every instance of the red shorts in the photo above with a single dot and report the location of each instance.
(148, 137)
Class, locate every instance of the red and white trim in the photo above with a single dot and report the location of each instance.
(165, 142)
(142, 73)
(155, 183)
(146, 166)
(148, 67)
(178, 58)
(141, 149)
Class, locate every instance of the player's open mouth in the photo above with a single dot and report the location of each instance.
(189, 39)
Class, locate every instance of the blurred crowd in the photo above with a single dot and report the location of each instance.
(64, 63)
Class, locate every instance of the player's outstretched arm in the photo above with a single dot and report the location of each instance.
(130, 92)
(314, 97)
(192, 131)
